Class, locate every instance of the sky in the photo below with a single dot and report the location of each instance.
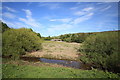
(56, 18)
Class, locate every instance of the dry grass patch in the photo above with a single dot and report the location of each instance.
(58, 50)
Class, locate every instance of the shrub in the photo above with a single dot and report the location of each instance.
(68, 39)
(113, 62)
(18, 41)
(102, 50)
(76, 37)
(47, 38)
(106, 42)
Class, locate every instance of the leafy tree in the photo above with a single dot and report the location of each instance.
(18, 41)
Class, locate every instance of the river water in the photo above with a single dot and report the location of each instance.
(73, 64)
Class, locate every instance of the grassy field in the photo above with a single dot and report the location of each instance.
(21, 69)
(57, 50)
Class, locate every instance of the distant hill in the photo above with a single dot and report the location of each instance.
(80, 37)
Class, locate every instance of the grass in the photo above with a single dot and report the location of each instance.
(58, 50)
(29, 71)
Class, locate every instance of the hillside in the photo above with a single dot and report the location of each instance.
(79, 37)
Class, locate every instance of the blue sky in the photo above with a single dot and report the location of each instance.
(56, 18)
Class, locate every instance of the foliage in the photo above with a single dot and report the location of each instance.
(103, 43)
(0, 44)
(77, 37)
(4, 27)
(47, 38)
(102, 50)
(18, 41)
(29, 71)
(38, 34)
(113, 62)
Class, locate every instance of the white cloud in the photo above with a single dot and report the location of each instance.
(50, 5)
(79, 13)
(52, 20)
(83, 18)
(85, 14)
(10, 9)
(74, 8)
(28, 14)
(87, 9)
(84, 11)
(60, 27)
(29, 20)
(15, 24)
(9, 15)
(62, 20)
(106, 8)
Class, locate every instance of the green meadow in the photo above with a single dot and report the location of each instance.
(46, 71)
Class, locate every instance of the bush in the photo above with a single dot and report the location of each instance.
(18, 41)
(47, 38)
(113, 62)
(76, 37)
(102, 50)
(106, 42)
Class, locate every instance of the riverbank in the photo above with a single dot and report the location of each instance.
(24, 69)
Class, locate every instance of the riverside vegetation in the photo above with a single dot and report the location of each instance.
(99, 49)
